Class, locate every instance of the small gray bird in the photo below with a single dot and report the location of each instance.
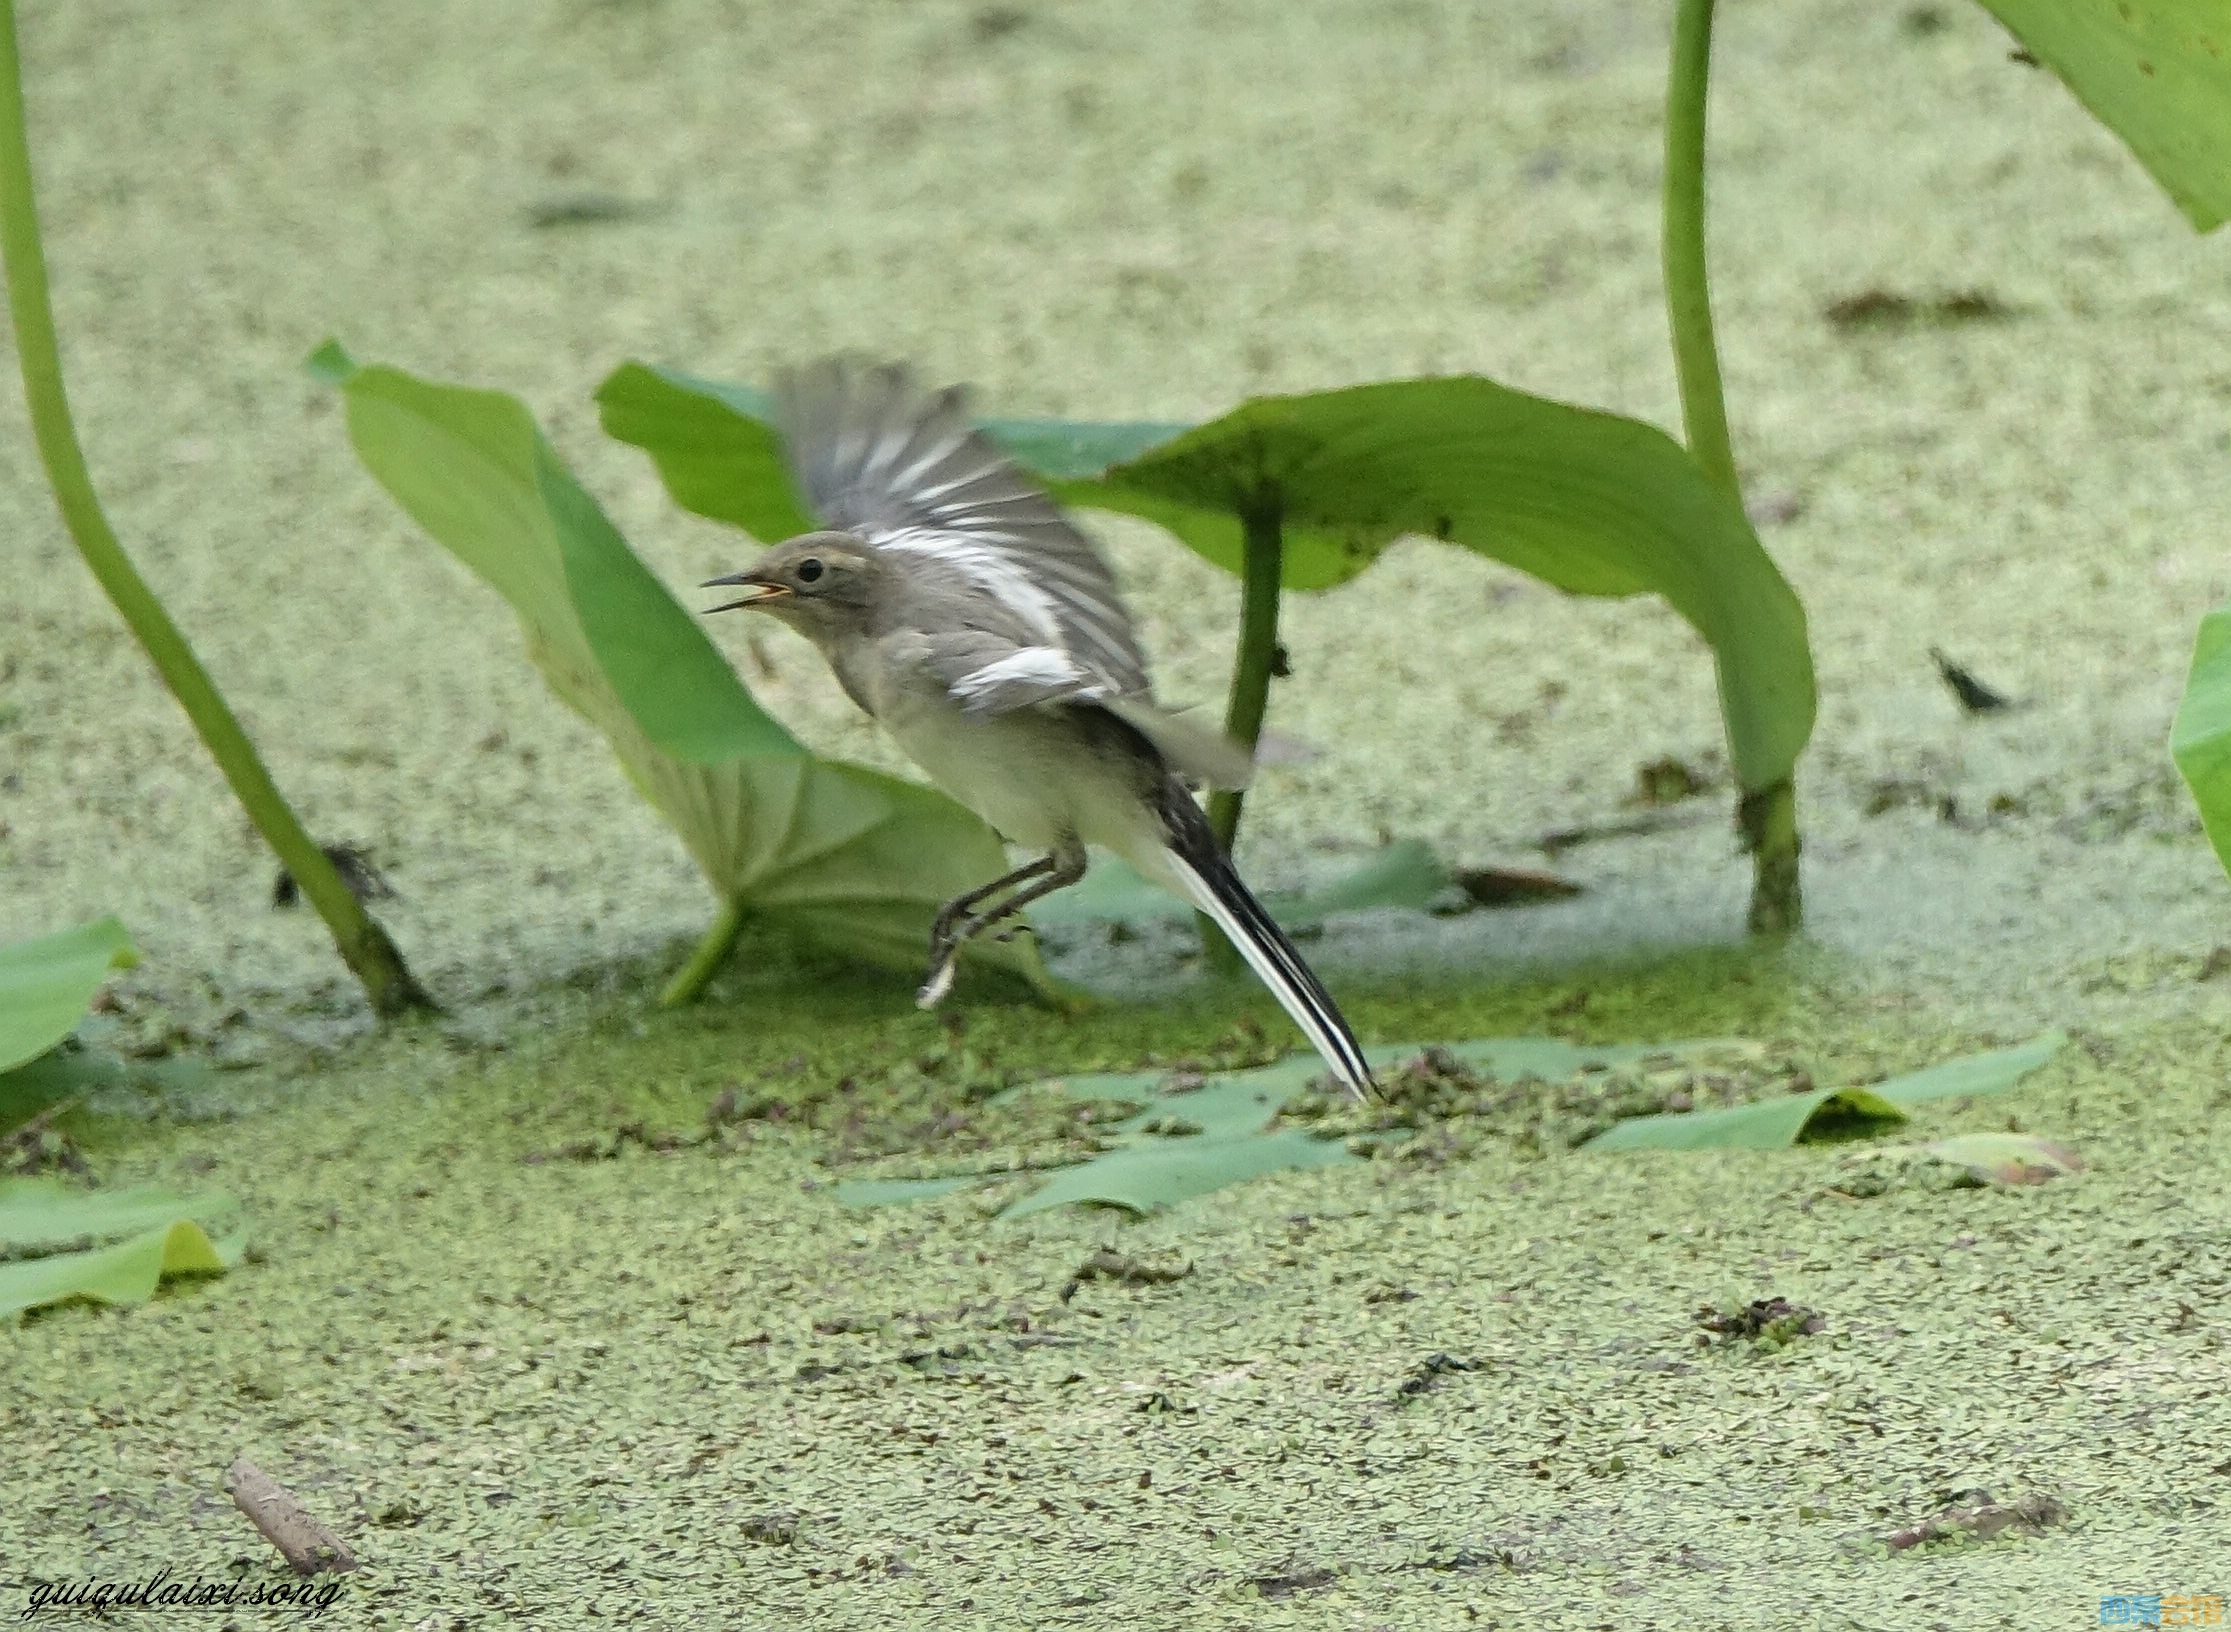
(964, 613)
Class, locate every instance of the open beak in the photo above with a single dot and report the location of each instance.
(757, 591)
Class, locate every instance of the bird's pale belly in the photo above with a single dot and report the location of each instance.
(1031, 774)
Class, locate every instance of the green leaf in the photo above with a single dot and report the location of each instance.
(1066, 449)
(1769, 1124)
(45, 985)
(74, 1068)
(1590, 502)
(2200, 741)
(124, 1272)
(1232, 1138)
(1145, 1179)
(884, 1192)
(1828, 1113)
(852, 858)
(1229, 1133)
(1176, 1146)
(1985, 1073)
(2155, 72)
(45, 1214)
(59, 1243)
(471, 468)
(59, 1075)
(711, 443)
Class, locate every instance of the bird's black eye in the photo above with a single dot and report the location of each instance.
(809, 570)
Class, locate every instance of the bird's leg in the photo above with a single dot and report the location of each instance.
(1053, 872)
(942, 938)
(1067, 869)
(945, 939)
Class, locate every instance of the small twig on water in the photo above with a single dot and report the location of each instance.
(273, 1509)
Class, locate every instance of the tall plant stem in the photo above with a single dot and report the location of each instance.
(1767, 816)
(1696, 354)
(1262, 563)
(711, 952)
(363, 945)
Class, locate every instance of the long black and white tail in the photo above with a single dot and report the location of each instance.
(1213, 886)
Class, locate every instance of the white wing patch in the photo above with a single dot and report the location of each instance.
(1031, 671)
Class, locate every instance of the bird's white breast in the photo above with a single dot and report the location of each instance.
(1033, 773)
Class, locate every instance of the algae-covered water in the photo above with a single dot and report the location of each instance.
(686, 1387)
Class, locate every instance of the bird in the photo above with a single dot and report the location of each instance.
(964, 612)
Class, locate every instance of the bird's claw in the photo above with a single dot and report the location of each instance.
(940, 982)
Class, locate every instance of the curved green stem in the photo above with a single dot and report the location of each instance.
(363, 945)
(1262, 563)
(1696, 354)
(1768, 816)
(719, 940)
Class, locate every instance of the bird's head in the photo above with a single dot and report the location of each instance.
(819, 583)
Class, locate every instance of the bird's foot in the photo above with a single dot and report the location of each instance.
(935, 988)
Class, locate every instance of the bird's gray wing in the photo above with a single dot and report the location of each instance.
(906, 470)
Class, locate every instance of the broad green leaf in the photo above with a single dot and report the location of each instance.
(2155, 72)
(1508, 1059)
(1591, 502)
(124, 1272)
(76, 1067)
(58, 1075)
(1112, 892)
(1828, 1113)
(1231, 1135)
(711, 444)
(45, 1214)
(713, 449)
(1179, 1145)
(472, 469)
(57, 1242)
(850, 857)
(2201, 738)
(1066, 449)
(63, 1072)
(1984, 1073)
(1145, 1179)
(45, 985)
(884, 1192)
(1768, 1124)
(1404, 875)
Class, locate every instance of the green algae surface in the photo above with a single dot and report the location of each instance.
(577, 1331)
